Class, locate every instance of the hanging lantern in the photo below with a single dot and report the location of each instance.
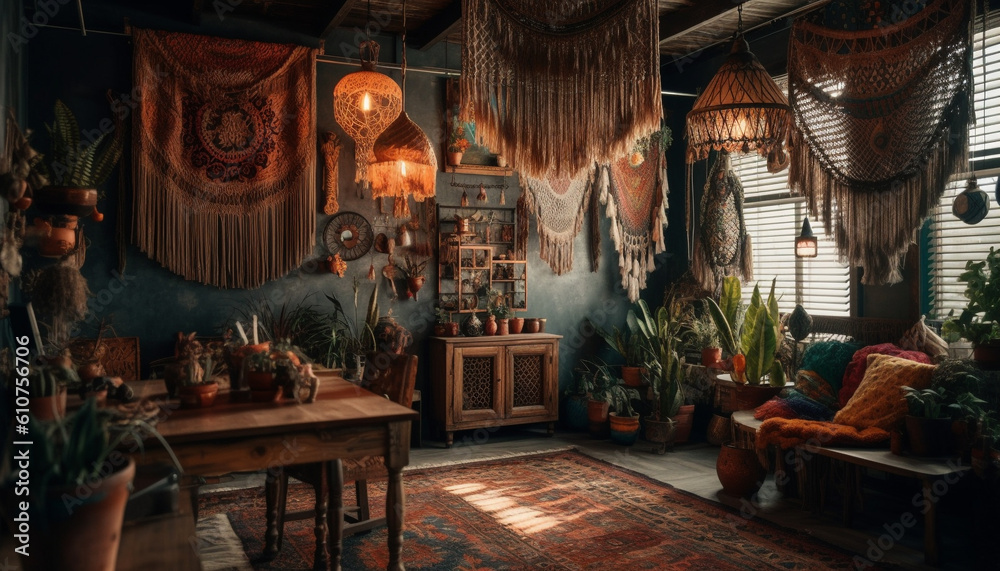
(365, 103)
(972, 204)
(742, 109)
(806, 245)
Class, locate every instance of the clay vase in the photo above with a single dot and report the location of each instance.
(452, 328)
(503, 326)
(472, 326)
(57, 243)
(710, 356)
(516, 325)
(490, 327)
(198, 396)
(684, 420)
(739, 471)
(454, 159)
(84, 531)
(530, 325)
(541, 324)
(414, 284)
(440, 329)
(624, 429)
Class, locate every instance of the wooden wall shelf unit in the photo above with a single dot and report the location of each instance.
(482, 170)
(496, 380)
(469, 266)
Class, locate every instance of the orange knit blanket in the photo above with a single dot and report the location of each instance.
(791, 432)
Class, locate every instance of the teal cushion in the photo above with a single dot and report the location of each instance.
(829, 359)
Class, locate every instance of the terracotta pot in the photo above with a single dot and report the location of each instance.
(198, 396)
(516, 325)
(85, 525)
(454, 159)
(929, 436)
(684, 419)
(597, 416)
(49, 408)
(414, 284)
(66, 200)
(624, 429)
(661, 433)
(440, 329)
(710, 356)
(632, 375)
(490, 327)
(260, 381)
(452, 327)
(530, 325)
(987, 355)
(739, 471)
(503, 326)
(58, 243)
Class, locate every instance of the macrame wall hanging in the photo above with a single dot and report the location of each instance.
(882, 118)
(636, 199)
(556, 86)
(722, 246)
(331, 172)
(559, 203)
(224, 156)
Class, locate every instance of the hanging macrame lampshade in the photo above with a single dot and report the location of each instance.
(404, 164)
(364, 104)
(742, 109)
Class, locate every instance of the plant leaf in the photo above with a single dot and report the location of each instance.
(729, 301)
(726, 335)
(759, 343)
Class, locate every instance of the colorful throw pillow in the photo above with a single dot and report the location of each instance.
(879, 401)
(922, 338)
(856, 369)
(829, 359)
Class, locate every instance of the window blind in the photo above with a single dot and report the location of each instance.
(953, 242)
(774, 219)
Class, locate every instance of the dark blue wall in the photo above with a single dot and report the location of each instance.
(153, 303)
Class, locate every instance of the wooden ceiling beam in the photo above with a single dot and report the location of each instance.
(337, 13)
(439, 26)
(677, 23)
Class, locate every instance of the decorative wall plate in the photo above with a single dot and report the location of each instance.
(348, 234)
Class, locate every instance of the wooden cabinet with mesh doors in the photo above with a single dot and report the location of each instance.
(499, 380)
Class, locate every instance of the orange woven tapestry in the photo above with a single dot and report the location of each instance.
(224, 156)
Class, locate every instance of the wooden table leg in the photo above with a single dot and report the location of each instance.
(395, 499)
(321, 557)
(274, 495)
(930, 524)
(335, 513)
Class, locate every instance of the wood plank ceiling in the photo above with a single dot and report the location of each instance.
(685, 25)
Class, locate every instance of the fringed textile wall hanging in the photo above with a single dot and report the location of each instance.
(882, 118)
(559, 204)
(331, 172)
(557, 86)
(594, 217)
(723, 246)
(636, 199)
(224, 156)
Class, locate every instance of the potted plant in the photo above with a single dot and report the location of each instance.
(664, 365)
(444, 326)
(750, 337)
(73, 170)
(355, 336)
(631, 344)
(260, 377)
(705, 339)
(457, 143)
(78, 487)
(415, 278)
(979, 322)
(499, 313)
(48, 389)
(933, 412)
(606, 392)
(199, 388)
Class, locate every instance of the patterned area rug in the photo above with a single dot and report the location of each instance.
(562, 510)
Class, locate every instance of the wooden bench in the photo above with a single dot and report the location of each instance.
(817, 467)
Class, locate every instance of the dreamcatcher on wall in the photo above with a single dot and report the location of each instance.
(722, 246)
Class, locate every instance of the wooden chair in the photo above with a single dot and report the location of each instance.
(386, 374)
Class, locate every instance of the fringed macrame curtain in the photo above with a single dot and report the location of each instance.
(556, 86)
(722, 246)
(636, 199)
(559, 204)
(224, 156)
(882, 119)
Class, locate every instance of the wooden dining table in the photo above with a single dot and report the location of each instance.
(344, 422)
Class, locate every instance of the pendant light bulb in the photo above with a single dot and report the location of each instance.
(366, 102)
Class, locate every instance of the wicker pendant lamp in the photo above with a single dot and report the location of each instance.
(742, 109)
(405, 163)
(365, 103)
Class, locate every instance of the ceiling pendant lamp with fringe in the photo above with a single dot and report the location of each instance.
(365, 103)
(741, 110)
(405, 163)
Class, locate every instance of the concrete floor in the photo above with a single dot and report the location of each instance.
(692, 468)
